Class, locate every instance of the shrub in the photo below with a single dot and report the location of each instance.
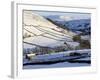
(85, 44)
(77, 38)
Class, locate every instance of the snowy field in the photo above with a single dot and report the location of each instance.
(62, 64)
(57, 65)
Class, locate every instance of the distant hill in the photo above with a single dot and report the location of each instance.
(82, 26)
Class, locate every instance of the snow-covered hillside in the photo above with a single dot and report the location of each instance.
(33, 22)
(39, 31)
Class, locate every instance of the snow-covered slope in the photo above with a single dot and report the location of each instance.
(38, 30)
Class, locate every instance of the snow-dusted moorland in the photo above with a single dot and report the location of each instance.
(43, 38)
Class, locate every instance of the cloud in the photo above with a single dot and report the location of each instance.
(65, 18)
